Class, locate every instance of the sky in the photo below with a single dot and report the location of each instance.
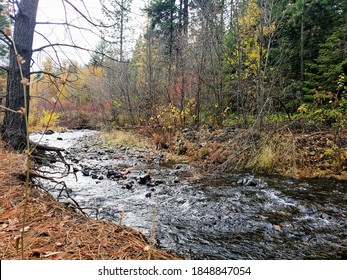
(53, 11)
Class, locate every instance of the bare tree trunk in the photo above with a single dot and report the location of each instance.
(185, 17)
(181, 52)
(240, 97)
(260, 78)
(302, 39)
(150, 80)
(14, 126)
(121, 36)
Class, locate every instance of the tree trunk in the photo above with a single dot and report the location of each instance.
(302, 41)
(185, 17)
(260, 74)
(14, 126)
(121, 35)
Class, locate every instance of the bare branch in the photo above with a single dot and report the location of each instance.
(102, 2)
(8, 40)
(88, 19)
(45, 73)
(4, 68)
(74, 47)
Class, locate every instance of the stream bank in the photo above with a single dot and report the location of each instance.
(54, 231)
(227, 216)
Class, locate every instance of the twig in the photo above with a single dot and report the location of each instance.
(64, 187)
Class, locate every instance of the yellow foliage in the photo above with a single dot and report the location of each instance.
(44, 119)
(249, 37)
(272, 154)
(49, 118)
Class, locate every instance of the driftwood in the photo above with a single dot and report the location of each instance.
(39, 148)
(39, 155)
(43, 147)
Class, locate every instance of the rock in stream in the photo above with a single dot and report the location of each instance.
(225, 216)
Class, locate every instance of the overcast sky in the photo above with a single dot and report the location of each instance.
(53, 11)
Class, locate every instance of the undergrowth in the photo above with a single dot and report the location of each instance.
(279, 151)
(124, 138)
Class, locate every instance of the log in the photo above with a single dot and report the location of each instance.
(43, 147)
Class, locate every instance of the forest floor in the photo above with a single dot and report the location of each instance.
(56, 232)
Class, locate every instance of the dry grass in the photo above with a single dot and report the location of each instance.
(283, 151)
(124, 138)
(54, 231)
(275, 154)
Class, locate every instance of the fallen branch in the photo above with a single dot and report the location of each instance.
(43, 147)
(64, 187)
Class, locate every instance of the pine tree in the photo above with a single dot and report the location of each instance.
(118, 14)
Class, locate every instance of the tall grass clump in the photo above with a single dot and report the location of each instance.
(124, 138)
(274, 152)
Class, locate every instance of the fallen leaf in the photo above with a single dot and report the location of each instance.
(277, 227)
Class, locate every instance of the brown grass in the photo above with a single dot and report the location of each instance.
(54, 231)
(281, 151)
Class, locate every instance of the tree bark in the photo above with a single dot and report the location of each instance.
(14, 126)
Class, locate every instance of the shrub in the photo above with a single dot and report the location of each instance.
(78, 119)
(43, 120)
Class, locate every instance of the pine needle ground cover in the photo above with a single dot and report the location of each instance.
(55, 231)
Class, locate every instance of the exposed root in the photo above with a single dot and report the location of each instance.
(55, 231)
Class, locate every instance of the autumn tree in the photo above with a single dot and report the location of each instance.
(20, 44)
(168, 28)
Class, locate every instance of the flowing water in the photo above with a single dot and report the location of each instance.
(228, 216)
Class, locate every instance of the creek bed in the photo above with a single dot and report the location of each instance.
(226, 216)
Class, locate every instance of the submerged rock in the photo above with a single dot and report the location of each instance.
(129, 184)
(148, 195)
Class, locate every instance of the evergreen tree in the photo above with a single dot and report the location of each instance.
(117, 14)
(164, 25)
(308, 27)
(331, 63)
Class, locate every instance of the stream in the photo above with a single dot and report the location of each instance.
(228, 216)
